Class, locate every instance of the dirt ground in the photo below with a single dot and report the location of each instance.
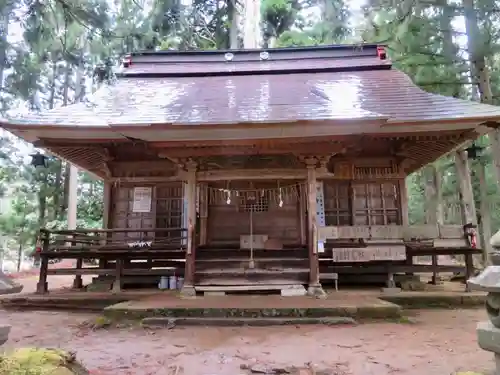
(439, 343)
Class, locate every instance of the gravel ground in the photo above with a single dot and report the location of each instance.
(440, 342)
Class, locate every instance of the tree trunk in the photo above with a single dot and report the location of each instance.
(4, 31)
(234, 20)
(57, 193)
(251, 32)
(449, 48)
(480, 72)
(67, 76)
(67, 172)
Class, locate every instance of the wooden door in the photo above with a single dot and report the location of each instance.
(228, 220)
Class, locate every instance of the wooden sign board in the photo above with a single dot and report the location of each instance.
(368, 254)
(142, 199)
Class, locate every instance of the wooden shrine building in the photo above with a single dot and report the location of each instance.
(245, 168)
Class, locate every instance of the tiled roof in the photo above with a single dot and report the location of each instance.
(289, 85)
(179, 69)
(263, 98)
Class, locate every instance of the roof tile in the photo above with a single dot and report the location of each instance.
(388, 94)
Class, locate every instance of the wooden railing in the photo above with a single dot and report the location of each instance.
(95, 240)
(393, 232)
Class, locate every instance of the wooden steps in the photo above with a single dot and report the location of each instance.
(226, 270)
(241, 288)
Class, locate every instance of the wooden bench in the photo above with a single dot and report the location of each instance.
(409, 241)
(162, 256)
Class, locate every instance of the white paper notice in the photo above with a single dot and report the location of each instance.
(142, 199)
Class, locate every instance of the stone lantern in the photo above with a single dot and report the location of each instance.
(488, 333)
(4, 333)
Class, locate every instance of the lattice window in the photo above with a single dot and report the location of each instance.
(251, 203)
(376, 204)
(337, 203)
(169, 202)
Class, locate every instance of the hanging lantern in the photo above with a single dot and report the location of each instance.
(473, 151)
(39, 160)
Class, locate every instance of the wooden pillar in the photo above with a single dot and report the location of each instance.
(42, 285)
(106, 217)
(434, 210)
(494, 138)
(468, 207)
(188, 287)
(117, 284)
(77, 281)
(432, 214)
(302, 215)
(203, 213)
(72, 197)
(314, 284)
(404, 202)
(485, 215)
(429, 195)
(438, 179)
(106, 204)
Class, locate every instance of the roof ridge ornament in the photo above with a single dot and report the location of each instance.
(264, 55)
(228, 56)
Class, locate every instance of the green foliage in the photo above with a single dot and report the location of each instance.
(32, 361)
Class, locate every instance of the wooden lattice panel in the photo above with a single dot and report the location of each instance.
(260, 204)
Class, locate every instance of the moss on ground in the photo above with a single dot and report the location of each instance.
(37, 361)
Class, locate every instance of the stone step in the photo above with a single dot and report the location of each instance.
(241, 281)
(286, 290)
(238, 322)
(240, 288)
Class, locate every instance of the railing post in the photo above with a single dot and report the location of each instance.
(77, 281)
(42, 285)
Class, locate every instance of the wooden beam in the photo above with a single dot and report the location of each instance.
(252, 174)
(277, 149)
(159, 164)
(263, 142)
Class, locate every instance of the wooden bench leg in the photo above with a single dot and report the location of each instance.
(469, 269)
(77, 281)
(409, 262)
(390, 280)
(117, 284)
(42, 287)
(435, 274)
